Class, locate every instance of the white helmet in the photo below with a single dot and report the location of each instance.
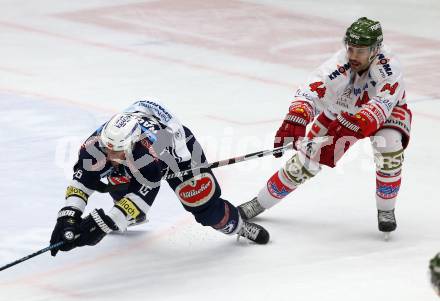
(120, 132)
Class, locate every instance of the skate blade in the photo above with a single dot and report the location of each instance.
(138, 223)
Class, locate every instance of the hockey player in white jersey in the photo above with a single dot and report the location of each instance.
(358, 93)
(133, 151)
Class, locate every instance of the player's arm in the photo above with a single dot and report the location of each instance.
(369, 118)
(133, 206)
(374, 113)
(308, 102)
(301, 112)
(390, 90)
(86, 175)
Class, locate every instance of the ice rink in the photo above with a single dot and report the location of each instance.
(228, 70)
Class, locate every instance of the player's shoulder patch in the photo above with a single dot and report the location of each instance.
(340, 69)
(384, 67)
(337, 67)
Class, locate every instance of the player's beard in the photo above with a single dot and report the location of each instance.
(356, 65)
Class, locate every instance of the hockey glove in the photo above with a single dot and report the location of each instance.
(66, 228)
(94, 227)
(345, 131)
(346, 125)
(294, 125)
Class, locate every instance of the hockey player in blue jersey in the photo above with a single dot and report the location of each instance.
(132, 152)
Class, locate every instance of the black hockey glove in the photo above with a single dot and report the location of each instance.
(66, 228)
(94, 227)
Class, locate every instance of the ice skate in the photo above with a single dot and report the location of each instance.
(253, 232)
(386, 222)
(138, 221)
(250, 209)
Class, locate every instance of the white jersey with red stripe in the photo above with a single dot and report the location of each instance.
(334, 88)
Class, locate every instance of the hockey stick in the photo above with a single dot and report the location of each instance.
(302, 144)
(104, 188)
(58, 244)
(108, 188)
(231, 161)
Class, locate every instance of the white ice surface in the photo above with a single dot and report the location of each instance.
(61, 76)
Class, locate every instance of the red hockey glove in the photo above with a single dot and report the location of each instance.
(345, 125)
(294, 125)
(369, 119)
(345, 130)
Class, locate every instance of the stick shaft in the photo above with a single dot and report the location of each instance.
(231, 161)
(32, 255)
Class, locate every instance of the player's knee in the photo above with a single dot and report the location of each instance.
(388, 148)
(299, 169)
(387, 140)
(201, 196)
(211, 213)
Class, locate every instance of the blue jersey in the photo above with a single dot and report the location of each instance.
(162, 147)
